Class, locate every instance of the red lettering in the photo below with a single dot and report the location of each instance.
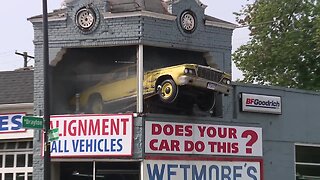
(164, 145)
(152, 144)
(212, 146)
(83, 127)
(65, 128)
(233, 133)
(156, 129)
(199, 146)
(235, 148)
(72, 131)
(211, 132)
(168, 129)
(188, 146)
(124, 121)
(114, 126)
(222, 132)
(188, 131)
(201, 130)
(179, 130)
(94, 128)
(105, 127)
(175, 145)
(249, 101)
(222, 147)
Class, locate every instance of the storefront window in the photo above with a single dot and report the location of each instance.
(11, 145)
(22, 145)
(30, 157)
(14, 160)
(29, 176)
(21, 160)
(9, 160)
(95, 81)
(180, 82)
(2, 145)
(101, 170)
(307, 162)
(104, 80)
(8, 176)
(19, 176)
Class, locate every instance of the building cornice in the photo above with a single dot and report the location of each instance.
(16, 106)
(61, 17)
(139, 13)
(109, 15)
(221, 25)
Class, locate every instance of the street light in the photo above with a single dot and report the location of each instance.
(46, 106)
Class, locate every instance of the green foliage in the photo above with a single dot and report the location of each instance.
(284, 46)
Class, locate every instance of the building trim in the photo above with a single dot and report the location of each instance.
(110, 15)
(16, 106)
(221, 25)
(61, 17)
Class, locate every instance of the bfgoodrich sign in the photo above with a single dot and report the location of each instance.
(261, 103)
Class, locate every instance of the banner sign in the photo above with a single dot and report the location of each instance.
(204, 139)
(10, 123)
(203, 169)
(92, 135)
(261, 103)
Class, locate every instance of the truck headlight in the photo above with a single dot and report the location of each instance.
(227, 81)
(189, 71)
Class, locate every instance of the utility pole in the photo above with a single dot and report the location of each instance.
(46, 97)
(25, 57)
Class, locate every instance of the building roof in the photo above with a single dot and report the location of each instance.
(16, 87)
(137, 5)
(119, 6)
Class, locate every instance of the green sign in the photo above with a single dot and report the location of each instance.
(53, 134)
(32, 122)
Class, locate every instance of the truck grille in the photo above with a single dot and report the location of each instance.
(209, 74)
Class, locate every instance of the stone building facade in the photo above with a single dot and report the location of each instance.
(89, 38)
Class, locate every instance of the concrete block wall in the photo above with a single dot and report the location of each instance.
(298, 123)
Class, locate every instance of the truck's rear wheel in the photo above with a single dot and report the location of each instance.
(95, 105)
(206, 102)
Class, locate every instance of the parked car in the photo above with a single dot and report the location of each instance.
(190, 80)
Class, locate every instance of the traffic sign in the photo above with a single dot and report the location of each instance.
(32, 122)
(53, 134)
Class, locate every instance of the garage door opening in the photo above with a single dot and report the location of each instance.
(100, 170)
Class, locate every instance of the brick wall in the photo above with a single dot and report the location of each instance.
(119, 31)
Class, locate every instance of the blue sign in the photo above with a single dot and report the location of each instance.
(11, 122)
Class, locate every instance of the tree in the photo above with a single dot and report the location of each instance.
(284, 46)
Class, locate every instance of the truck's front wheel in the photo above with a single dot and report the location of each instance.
(168, 91)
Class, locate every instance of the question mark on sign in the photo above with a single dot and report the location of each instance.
(253, 138)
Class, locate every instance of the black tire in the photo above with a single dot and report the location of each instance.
(95, 105)
(206, 102)
(168, 91)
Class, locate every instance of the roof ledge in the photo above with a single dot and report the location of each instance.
(221, 25)
(110, 15)
(16, 106)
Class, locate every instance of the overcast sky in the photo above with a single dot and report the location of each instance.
(17, 33)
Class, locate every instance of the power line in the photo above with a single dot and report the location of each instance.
(25, 57)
